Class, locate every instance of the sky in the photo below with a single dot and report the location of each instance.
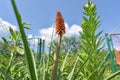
(41, 14)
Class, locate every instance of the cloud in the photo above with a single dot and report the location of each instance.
(46, 34)
(70, 31)
(29, 36)
(4, 27)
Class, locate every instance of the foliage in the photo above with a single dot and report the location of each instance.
(11, 60)
(85, 64)
(3, 47)
(90, 56)
(28, 54)
(69, 44)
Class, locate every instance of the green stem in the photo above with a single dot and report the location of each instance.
(29, 55)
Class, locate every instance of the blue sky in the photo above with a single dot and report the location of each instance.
(41, 13)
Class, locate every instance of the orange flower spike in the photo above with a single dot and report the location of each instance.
(60, 26)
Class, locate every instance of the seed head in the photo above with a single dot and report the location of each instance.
(60, 26)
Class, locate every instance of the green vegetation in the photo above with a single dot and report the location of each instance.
(79, 58)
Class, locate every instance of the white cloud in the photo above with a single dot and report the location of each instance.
(70, 30)
(29, 36)
(4, 27)
(46, 33)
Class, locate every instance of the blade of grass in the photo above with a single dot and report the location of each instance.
(48, 58)
(81, 67)
(62, 67)
(113, 75)
(51, 39)
(72, 72)
(43, 46)
(44, 67)
(5, 74)
(29, 55)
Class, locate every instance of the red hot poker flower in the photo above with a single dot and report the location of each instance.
(60, 26)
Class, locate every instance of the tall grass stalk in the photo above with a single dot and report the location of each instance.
(51, 41)
(28, 54)
(43, 59)
(62, 67)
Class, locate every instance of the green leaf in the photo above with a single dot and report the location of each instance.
(4, 40)
(98, 34)
(20, 50)
(26, 25)
(27, 28)
(12, 33)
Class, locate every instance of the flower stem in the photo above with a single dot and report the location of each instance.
(56, 55)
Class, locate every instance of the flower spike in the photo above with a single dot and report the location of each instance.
(60, 26)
